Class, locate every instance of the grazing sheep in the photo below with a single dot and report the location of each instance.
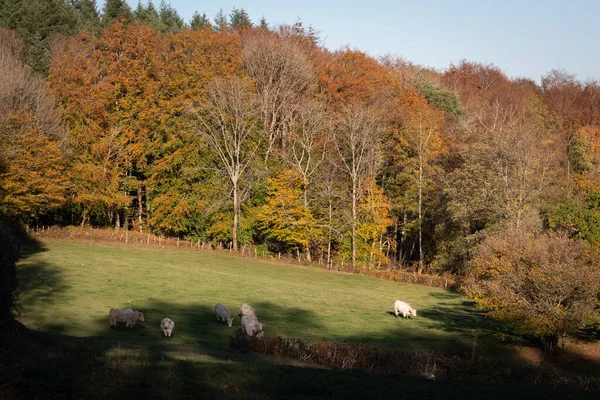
(223, 314)
(167, 325)
(245, 309)
(404, 308)
(251, 326)
(130, 318)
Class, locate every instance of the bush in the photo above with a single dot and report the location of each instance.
(394, 360)
(543, 285)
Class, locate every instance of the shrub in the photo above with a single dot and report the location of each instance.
(543, 285)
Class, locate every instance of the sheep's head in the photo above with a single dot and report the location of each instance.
(229, 322)
(413, 312)
(140, 316)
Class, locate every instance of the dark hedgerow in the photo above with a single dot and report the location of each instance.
(389, 360)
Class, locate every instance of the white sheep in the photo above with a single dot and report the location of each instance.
(404, 308)
(251, 326)
(130, 318)
(245, 309)
(167, 325)
(223, 314)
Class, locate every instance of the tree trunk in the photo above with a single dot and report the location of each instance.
(236, 212)
(354, 224)
(307, 252)
(148, 227)
(140, 207)
(420, 216)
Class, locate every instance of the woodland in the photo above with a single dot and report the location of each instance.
(228, 132)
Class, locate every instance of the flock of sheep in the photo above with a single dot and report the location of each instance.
(250, 324)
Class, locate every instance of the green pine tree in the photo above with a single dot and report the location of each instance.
(200, 22)
(169, 18)
(220, 21)
(239, 18)
(87, 15)
(114, 10)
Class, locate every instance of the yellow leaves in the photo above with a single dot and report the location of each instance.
(374, 212)
(283, 217)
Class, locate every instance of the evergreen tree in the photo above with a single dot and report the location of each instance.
(263, 24)
(39, 55)
(239, 18)
(35, 21)
(10, 13)
(220, 21)
(140, 11)
(169, 18)
(200, 22)
(149, 16)
(114, 10)
(87, 15)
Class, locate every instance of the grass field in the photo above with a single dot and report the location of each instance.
(69, 287)
(66, 289)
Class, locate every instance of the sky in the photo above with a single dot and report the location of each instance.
(526, 38)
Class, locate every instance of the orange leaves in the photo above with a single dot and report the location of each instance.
(350, 76)
(33, 181)
(540, 284)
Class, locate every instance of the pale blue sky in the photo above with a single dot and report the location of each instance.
(523, 38)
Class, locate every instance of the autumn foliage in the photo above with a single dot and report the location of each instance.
(242, 135)
(544, 285)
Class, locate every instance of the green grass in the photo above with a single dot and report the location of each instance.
(68, 288)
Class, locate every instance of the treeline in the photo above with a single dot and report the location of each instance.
(237, 133)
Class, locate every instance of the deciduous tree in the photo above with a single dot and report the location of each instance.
(544, 285)
(228, 123)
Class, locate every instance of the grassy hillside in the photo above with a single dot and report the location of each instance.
(68, 288)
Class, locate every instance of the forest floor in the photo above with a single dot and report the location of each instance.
(67, 287)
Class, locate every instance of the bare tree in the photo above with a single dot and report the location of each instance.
(282, 71)
(308, 140)
(228, 123)
(357, 141)
(20, 90)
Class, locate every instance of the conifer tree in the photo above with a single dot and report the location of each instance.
(169, 18)
(238, 18)
(220, 21)
(87, 14)
(200, 22)
(114, 10)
